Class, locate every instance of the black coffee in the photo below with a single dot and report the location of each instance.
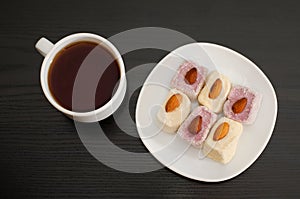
(83, 76)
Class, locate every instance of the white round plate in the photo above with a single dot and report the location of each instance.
(176, 153)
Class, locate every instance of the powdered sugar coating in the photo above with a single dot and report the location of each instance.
(248, 115)
(179, 82)
(208, 119)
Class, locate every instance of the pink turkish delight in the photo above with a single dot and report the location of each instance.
(189, 79)
(196, 127)
(242, 104)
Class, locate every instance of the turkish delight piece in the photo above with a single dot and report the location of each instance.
(215, 92)
(189, 79)
(242, 104)
(174, 110)
(222, 140)
(196, 127)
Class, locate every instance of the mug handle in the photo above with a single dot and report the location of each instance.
(44, 46)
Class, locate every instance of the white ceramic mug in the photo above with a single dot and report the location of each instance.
(49, 51)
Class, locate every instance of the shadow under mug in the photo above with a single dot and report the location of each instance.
(50, 50)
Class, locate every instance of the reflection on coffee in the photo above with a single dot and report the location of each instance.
(83, 76)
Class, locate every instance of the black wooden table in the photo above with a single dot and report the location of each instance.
(41, 153)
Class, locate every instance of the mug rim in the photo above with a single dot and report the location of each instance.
(47, 63)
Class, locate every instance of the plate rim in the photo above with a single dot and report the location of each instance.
(240, 55)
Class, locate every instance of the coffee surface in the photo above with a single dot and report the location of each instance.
(83, 76)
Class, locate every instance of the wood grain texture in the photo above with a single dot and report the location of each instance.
(41, 153)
